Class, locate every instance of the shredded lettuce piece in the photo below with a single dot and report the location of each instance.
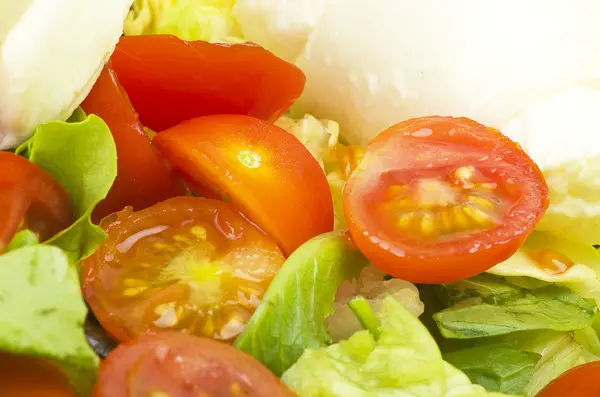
(291, 315)
(403, 361)
(583, 277)
(321, 138)
(207, 20)
(487, 305)
(42, 312)
(82, 157)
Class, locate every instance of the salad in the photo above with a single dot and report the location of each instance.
(314, 198)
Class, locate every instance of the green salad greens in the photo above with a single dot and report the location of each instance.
(300, 297)
(208, 20)
(81, 155)
(403, 361)
(42, 311)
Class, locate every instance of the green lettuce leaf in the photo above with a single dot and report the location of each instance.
(22, 239)
(403, 361)
(487, 305)
(300, 297)
(42, 312)
(583, 277)
(207, 20)
(82, 157)
(497, 367)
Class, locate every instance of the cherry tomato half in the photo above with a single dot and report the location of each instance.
(264, 170)
(30, 198)
(581, 381)
(178, 365)
(143, 178)
(170, 80)
(188, 263)
(22, 376)
(440, 199)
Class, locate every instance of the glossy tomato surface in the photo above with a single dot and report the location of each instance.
(178, 365)
(22, 376)
(143, 178)
(189, 264)
(262, 169)
(30, 198)
(170, 80)
(440, 199)
(581, 381)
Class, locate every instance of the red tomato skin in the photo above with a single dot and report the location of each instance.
(30, 194)
(436, 262)
(581, 381)
(22, 376)
(184, 366)
(288, 196)
(143, 178)
(170, 80)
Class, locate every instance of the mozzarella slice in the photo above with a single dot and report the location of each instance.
(281, 26)
(562, 135)
(51, 53)
(373, 64)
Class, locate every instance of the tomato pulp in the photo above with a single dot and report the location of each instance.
(30, 198)
(440, 199)
(178, 365)
(262, 169)
(189, 264)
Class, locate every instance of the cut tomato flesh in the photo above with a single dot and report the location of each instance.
(189, 264)
(441, 199)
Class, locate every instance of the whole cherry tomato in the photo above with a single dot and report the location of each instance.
(581, 381)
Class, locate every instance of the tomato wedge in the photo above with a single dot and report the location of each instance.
(439, 199)
(30, 198)
(22, 376)
(188, 263)
(178, 365)
(581, 381)
(264, 170)
(170, 80)
(143, 178)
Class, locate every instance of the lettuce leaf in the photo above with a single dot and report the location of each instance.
(487, 305)
(403, 361)
(207, 20)
(583, 277)
(497, 367)
(42, 312)
(300, 297)
(82, 157)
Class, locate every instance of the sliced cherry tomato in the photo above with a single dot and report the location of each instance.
(143, 178)
(22, 376)
(581, 381)
(264, 170)
(30, 198)
(188, 263)
(178, 365)
(170, 80)
(440, 199)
